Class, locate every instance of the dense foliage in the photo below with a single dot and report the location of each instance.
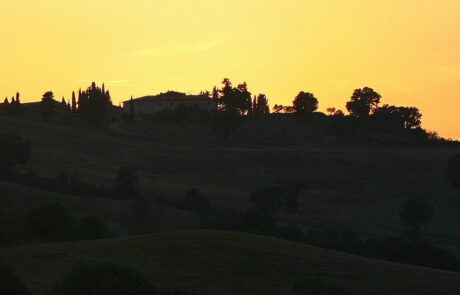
(14, 150)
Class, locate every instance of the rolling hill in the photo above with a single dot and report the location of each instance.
(213, 262)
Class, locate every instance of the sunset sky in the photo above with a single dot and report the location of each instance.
(408, 50)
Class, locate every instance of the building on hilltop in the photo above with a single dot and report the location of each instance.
(168, 101)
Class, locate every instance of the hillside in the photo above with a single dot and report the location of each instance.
(213, 262)
(362, 187)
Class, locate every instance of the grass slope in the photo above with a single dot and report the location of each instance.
(212, 262)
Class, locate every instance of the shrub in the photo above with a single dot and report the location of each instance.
(102, 279)
(14, 150)
(267, 199)
(10, 283)
(416, 212)
(93, 228)
(50, 223)
(196, 201)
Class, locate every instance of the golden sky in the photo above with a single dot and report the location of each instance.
(407, 50)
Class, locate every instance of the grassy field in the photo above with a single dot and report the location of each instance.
(210, 262)
(357, 187)
(361, 187)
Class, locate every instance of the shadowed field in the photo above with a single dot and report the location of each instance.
(362, 187)
(228, 263)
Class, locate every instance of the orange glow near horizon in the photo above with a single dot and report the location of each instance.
(406, 50)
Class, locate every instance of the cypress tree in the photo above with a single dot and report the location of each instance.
(131, 108)
(74, 103)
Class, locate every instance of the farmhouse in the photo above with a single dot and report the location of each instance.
(169, 101)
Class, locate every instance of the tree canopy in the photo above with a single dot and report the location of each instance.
(416, 212)
(233, 99)
(305, 103)
(363, 102)
(94, 103)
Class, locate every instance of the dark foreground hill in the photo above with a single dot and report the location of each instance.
(210, 262)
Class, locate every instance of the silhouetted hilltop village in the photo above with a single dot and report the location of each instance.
(229, 108)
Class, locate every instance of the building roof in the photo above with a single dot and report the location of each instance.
(172, 96)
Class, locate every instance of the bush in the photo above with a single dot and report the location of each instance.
(11, 284)
(103, 279)
(416, 212)
(318, 287)
(14, 150)
(194, 200)
(267, 199)
(50, 223)
(92, 228)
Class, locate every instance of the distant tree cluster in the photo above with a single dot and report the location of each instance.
(13, 107)
(238, 100)
(93, 103)
(53, 223)
(48, 105)
(416, 213)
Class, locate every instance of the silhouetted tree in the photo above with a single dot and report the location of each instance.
(14, 150)
(101, 279)
(74, 103)
(291, 191)
(11, 284)
(50, 223)
(363, 102)
(453, 170)
(93, 228)
(195, 200)
(260, 105)
(267, 199)
(13, 108)
(48, 106)
(131, 108)
(305, 103)
(331, 111)
(416, 212)
(285, 109)
(235, 100)
(392, 117)
(94, 103)
(125, 183)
